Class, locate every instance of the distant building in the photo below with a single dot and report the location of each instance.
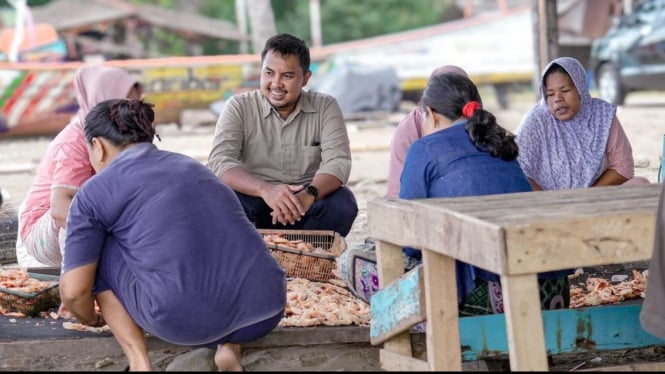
(120, 29)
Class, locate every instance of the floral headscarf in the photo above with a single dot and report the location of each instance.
(565, 154)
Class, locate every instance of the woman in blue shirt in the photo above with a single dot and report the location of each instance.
(164, 247)
(465, 152)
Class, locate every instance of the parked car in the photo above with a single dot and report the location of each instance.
(631, 55)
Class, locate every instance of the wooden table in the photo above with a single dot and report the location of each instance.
(516, 236)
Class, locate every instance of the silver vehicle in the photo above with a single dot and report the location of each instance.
(631, 55)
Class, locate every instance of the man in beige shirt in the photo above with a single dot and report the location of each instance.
(285, 151)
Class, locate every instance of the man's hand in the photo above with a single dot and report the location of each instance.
(286, 206)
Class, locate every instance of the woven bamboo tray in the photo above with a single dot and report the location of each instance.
(31, 304)
(298, 263)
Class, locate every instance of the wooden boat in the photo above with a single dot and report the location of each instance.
(38, 98)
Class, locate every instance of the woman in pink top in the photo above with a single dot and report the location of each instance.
(64, 168)
(408, 131)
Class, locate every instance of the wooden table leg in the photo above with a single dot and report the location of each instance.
(524, 323)
(390, 266)
(444, 352)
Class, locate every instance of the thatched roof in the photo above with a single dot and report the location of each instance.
(66, 15)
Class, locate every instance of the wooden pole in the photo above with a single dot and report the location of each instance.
(241, 17)
(546, 36)
(315, 19)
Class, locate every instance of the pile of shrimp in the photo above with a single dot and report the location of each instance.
(310, 303)
(597, 291)
(280, 240)
(19, 280)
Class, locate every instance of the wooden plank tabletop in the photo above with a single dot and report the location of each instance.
(528, 232)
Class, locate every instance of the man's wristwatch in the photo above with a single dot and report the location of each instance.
(312, 191)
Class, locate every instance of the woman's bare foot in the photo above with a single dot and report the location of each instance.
(63, 312)
(227, 357)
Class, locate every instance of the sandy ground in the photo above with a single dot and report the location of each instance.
(642, 116)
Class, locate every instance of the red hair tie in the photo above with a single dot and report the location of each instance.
(469, 108)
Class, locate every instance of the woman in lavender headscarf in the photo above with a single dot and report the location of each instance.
(570, 139)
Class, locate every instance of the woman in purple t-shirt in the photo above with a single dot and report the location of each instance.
(164, 247)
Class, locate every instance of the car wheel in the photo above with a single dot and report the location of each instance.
(609, 85)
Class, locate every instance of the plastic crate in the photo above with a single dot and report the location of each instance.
(31, 304)
(316, 266)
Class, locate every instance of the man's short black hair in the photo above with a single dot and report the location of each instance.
(286, 45)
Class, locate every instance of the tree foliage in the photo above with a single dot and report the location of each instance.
(341, 20)
(5, 3)
(345, 20)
